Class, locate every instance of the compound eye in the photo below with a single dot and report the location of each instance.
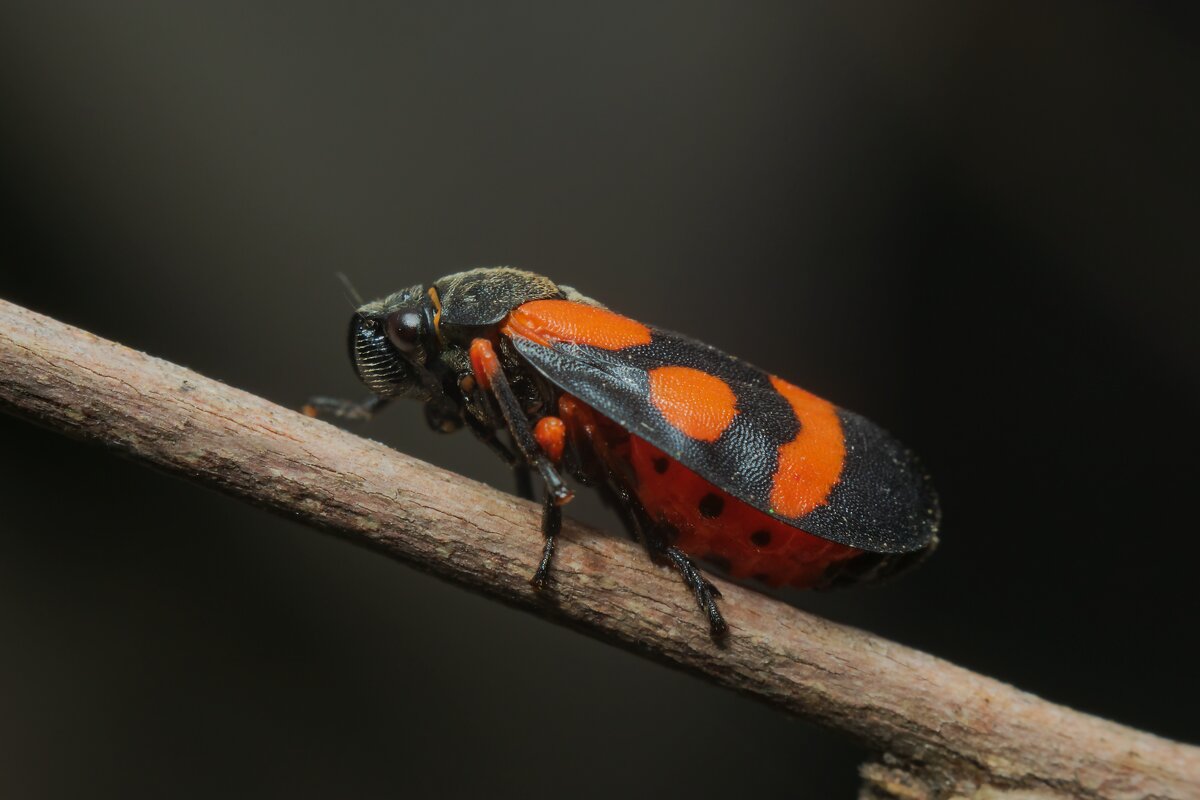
(404, 331)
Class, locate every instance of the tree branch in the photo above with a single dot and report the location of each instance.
(944, 731)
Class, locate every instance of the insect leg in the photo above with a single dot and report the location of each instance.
(653, 535)
(488, 436)
(532, 446)
(617, 492)
(491, 377)
(485, 431)
(524, 481)
(706, 593)
(551, 525)
(360, 410)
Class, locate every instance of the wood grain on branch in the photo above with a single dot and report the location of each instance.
(940, 730)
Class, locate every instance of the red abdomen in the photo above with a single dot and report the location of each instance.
(715, 526)
(710, 524)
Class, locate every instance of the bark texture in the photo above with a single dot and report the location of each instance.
(941, 731)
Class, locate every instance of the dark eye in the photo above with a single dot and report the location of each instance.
(404, 331)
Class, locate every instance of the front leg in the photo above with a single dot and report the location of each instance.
(357, 410)
(491, 378)
(486, 433)
(541, 448)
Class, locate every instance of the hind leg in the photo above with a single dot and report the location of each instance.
(617, 492)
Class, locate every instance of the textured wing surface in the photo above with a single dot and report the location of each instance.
(819, 468)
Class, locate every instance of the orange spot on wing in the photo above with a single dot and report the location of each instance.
(549, 321)
(697, 404)
(810, 464)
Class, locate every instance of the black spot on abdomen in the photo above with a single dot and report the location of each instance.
(711, 506)
(761, 538)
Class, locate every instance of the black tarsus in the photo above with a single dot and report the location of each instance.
(656, 543)
(706, 593)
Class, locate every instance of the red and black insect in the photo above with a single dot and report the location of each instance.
(705, 456)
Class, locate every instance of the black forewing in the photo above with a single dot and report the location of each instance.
(882, 501)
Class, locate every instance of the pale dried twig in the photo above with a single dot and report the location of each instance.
(942, 731)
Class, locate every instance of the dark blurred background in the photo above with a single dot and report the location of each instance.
(975, 224)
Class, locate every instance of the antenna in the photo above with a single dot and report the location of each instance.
(350, 290)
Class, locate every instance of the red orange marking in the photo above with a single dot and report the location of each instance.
(551, 435)
(673, 494)
(549, 321)
(810, 464)
(484, 362)
(437, 313)
(697, 404)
